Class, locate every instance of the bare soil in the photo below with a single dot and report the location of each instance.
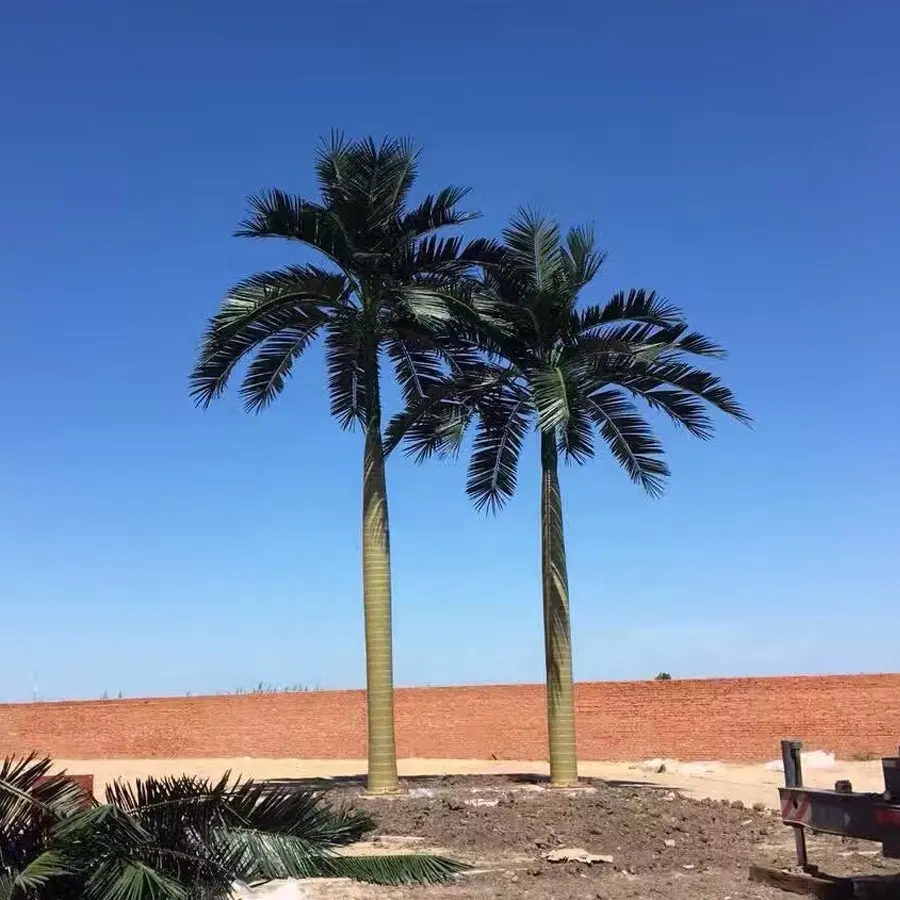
(662, 844)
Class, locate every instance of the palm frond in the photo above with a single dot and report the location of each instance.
(125, 878)
(272, 364)
(682, 408)
(35, 875)
(503, 421)
(365, 186)
(581, 259)
(449, 260)
(635, 306)
(183, 838)
(433, 255)
(430, 306)
(533, 245)
(576, 437)
(27, 786)
(32, 800)
(435, 421)
(550, 395)
(696, 344)
(436, 211)
(630, 438)
(644, 339)
(346, 365)
(282, 809)
(255, 310)
(387, 173)
(199, 833)
(485, 253)
(702, 384)
(275, 213)
(105, 818)
(418, 365)
(440, 406)
(254, 855)
(434, 425)
(412, 868)
(307, 282)
(331, 164)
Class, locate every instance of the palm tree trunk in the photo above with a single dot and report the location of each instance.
(376, 561)
(557, 625)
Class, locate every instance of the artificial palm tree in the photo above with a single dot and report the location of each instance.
(382, 298)
(181, 838)
(567, 372)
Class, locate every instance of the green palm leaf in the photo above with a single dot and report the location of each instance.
(703, 385)
(123, 878)
(366, 185)
(581, 258)
(274, 213)
(630, 439)
(418, 367)
(533, 246)
(35, 875)
(272, 364)
(171, 838)
(28, 786)
(345, 360)
(394, 870)
(292, 300)
(550, 394)
(682, 408)
(500, 433)
(576, 437)
(436, 211)
(433, 426)
(634, 306)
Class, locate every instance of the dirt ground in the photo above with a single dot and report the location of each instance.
(658, 843)
(661, 844)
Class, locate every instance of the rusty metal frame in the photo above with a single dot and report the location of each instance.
(867, 816)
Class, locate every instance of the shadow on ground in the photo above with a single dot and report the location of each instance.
(473, 782)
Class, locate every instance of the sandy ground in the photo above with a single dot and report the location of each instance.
(747, 783)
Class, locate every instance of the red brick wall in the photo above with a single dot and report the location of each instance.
(727, 719)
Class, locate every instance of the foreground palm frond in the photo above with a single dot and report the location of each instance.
(393, 869)
(32, 800)
(180, 838)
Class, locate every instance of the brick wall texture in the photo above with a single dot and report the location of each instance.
(727, 719)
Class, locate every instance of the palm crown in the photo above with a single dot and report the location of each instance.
(387, 290)
(573, 371)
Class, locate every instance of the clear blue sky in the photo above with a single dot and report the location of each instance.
(740, 158)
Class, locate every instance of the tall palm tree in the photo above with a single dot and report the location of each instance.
(382, 298)
(568, 372)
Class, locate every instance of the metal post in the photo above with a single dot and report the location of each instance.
(793, 778)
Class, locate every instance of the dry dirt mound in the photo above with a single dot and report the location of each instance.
(661, 845)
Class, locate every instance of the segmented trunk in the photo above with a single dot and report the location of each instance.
(557, 625)
(376, 560)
